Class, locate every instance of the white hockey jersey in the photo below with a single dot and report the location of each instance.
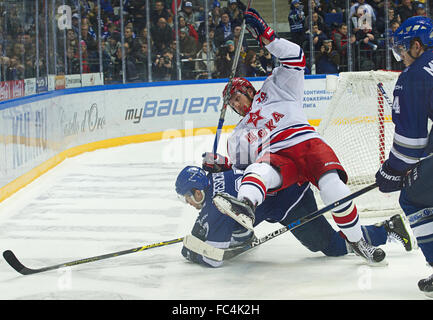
(276, 120)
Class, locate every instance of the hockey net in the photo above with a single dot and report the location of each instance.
(358, 126)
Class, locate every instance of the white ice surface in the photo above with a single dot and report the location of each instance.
(122, 198)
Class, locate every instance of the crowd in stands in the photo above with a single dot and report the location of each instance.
(201, 56)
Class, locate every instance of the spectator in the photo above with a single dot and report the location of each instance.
(71, 39)
(162, 35)
(109, 29)
(191, 30)
(201, 31)
(334, 6)
(162, 68)
(91, 44)
(381, 22)
(188, 13)
(141, 59)
(420, 10)
(188, 51)
(236, 36)
(368, 8)
(251, 66)
(406, 10)
(111, 47)
(366, 36)
(29, 68)
(224, 30)
(75, 23)
(15, 69)
(224, 60)
(318, 37)
(340, 40)
(296, 20)
(366, 39)
(137, 13)
(129, 37)
(236, 15)
(362, 19)
(266, 60)
(130, 67)
(187, 44)
(142, 38)
(216, 14)
(317, 19)
(159, 11)
(73, 62)
(327, 59)
(202, 64)
(85, 64)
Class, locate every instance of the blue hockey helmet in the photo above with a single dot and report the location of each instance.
(191, 177)
(414, 27)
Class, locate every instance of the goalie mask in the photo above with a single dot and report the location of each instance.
(418, 27)
(192, 178)
(236, 87)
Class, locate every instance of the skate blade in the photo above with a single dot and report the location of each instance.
(382, 263)
(225, 207)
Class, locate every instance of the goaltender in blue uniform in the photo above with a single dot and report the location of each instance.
(197, 188)
(409, 167)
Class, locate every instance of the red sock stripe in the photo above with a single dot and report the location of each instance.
(348, 218)
(254, 180)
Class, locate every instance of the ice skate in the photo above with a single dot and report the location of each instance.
(397, 230)
(240, 210)
(426, 286)
(373, 255)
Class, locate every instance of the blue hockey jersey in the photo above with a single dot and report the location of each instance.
(220, 230)
(412, 107)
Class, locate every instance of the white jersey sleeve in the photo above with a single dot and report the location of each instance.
(276, 120)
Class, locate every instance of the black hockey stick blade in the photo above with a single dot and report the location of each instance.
(12, 260)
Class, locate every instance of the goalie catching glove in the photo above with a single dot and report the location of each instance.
(257, 27)
(214, 162)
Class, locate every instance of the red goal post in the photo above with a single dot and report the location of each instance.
(358, 126)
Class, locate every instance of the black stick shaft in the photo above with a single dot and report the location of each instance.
(13, 261)
(299, 222)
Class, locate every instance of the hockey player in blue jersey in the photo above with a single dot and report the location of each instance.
(412, 107)
(197, 188)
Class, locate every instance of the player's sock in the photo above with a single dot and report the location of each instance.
(347, 219)
(345, 215)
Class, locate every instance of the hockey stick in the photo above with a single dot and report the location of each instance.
(13, 261)
(217, 254)
(382, 90)
(232, 75)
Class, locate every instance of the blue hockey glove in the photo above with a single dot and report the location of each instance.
(388, 179)
(215, 162)
(257, 27)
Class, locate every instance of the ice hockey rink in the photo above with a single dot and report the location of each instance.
(123, 197)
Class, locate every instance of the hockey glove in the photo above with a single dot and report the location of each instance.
(215, 162)
(257, 27)
(388, 179)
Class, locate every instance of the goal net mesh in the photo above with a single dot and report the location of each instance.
(359, 128)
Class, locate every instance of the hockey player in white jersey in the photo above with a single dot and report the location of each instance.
(277, 147)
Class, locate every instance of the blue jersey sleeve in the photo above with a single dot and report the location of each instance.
(412, 107)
